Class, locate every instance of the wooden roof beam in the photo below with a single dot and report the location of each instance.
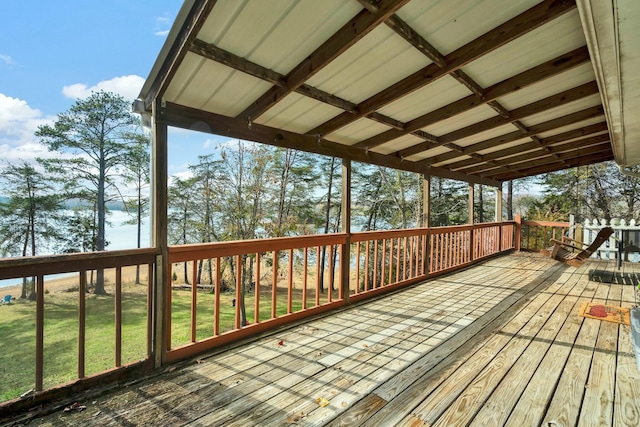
(194, 119)
(505, 87)
(554, 166)
(516, 114)
(556, 151)
(516, 135)
(541, 143)
(193, 24)
(350, 33)
(499, 36)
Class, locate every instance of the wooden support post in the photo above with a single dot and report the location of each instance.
(499, 215)
(346, 228)
(471, 221)
(499, 204)
(426, 220)
(471, 200)
(518, 232)
(160, 336)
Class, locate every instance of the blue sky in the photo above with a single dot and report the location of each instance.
(54, 52)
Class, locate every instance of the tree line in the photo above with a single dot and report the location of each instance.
(245, 190)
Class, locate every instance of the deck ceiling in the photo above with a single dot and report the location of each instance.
(483, 91)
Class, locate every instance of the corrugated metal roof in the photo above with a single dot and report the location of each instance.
(446, 87)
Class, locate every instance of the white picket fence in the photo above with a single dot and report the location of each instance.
(627, 233)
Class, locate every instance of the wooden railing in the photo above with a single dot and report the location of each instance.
(537, 235)
(75, 268)
(246, 287)
(241, 288)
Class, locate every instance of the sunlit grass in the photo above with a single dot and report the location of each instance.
(18, 330)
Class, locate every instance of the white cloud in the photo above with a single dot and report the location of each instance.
(18, 123)
(163, 23)
(126, 86)
(7, 59)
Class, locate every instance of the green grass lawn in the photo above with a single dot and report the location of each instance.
(17, 329)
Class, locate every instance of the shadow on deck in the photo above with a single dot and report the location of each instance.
(500, 343)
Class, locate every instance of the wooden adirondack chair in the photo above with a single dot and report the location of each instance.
(564, 250)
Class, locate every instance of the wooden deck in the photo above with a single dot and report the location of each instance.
(497, 344)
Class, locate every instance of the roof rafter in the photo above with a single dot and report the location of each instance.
(539, 142)
(350, 33)
(544, 150)
(554, 166)
(505, 87)
(533, 130)
(514, 116)
(499, 36)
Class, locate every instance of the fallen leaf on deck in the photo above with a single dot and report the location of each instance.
(75, 406)
(281, 342)
(294, 418)
(364, 346)
(322, 402)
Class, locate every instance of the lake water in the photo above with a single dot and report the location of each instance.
(118, 235)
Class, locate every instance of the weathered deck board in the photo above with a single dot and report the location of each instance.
(497, 344)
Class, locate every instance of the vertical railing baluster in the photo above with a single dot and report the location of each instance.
(411, 255)
(169, 299)
(256, 291)
(81, 323)
(331, 274)
(151, 269)
(216, 299)
(383, 262)
(318, 263)
(367, 248)
(238, 291)
(305, 272)
(391, 260)
(357, 289)
(194, 300)
(274, 286)
(118, 314)
(290, 284)
(398, 261)
(404, 258)
(39, 331)
(374, 281)
(340, 275)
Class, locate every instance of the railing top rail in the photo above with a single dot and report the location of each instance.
(179, 253)
(12, 268)
(547, 223)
